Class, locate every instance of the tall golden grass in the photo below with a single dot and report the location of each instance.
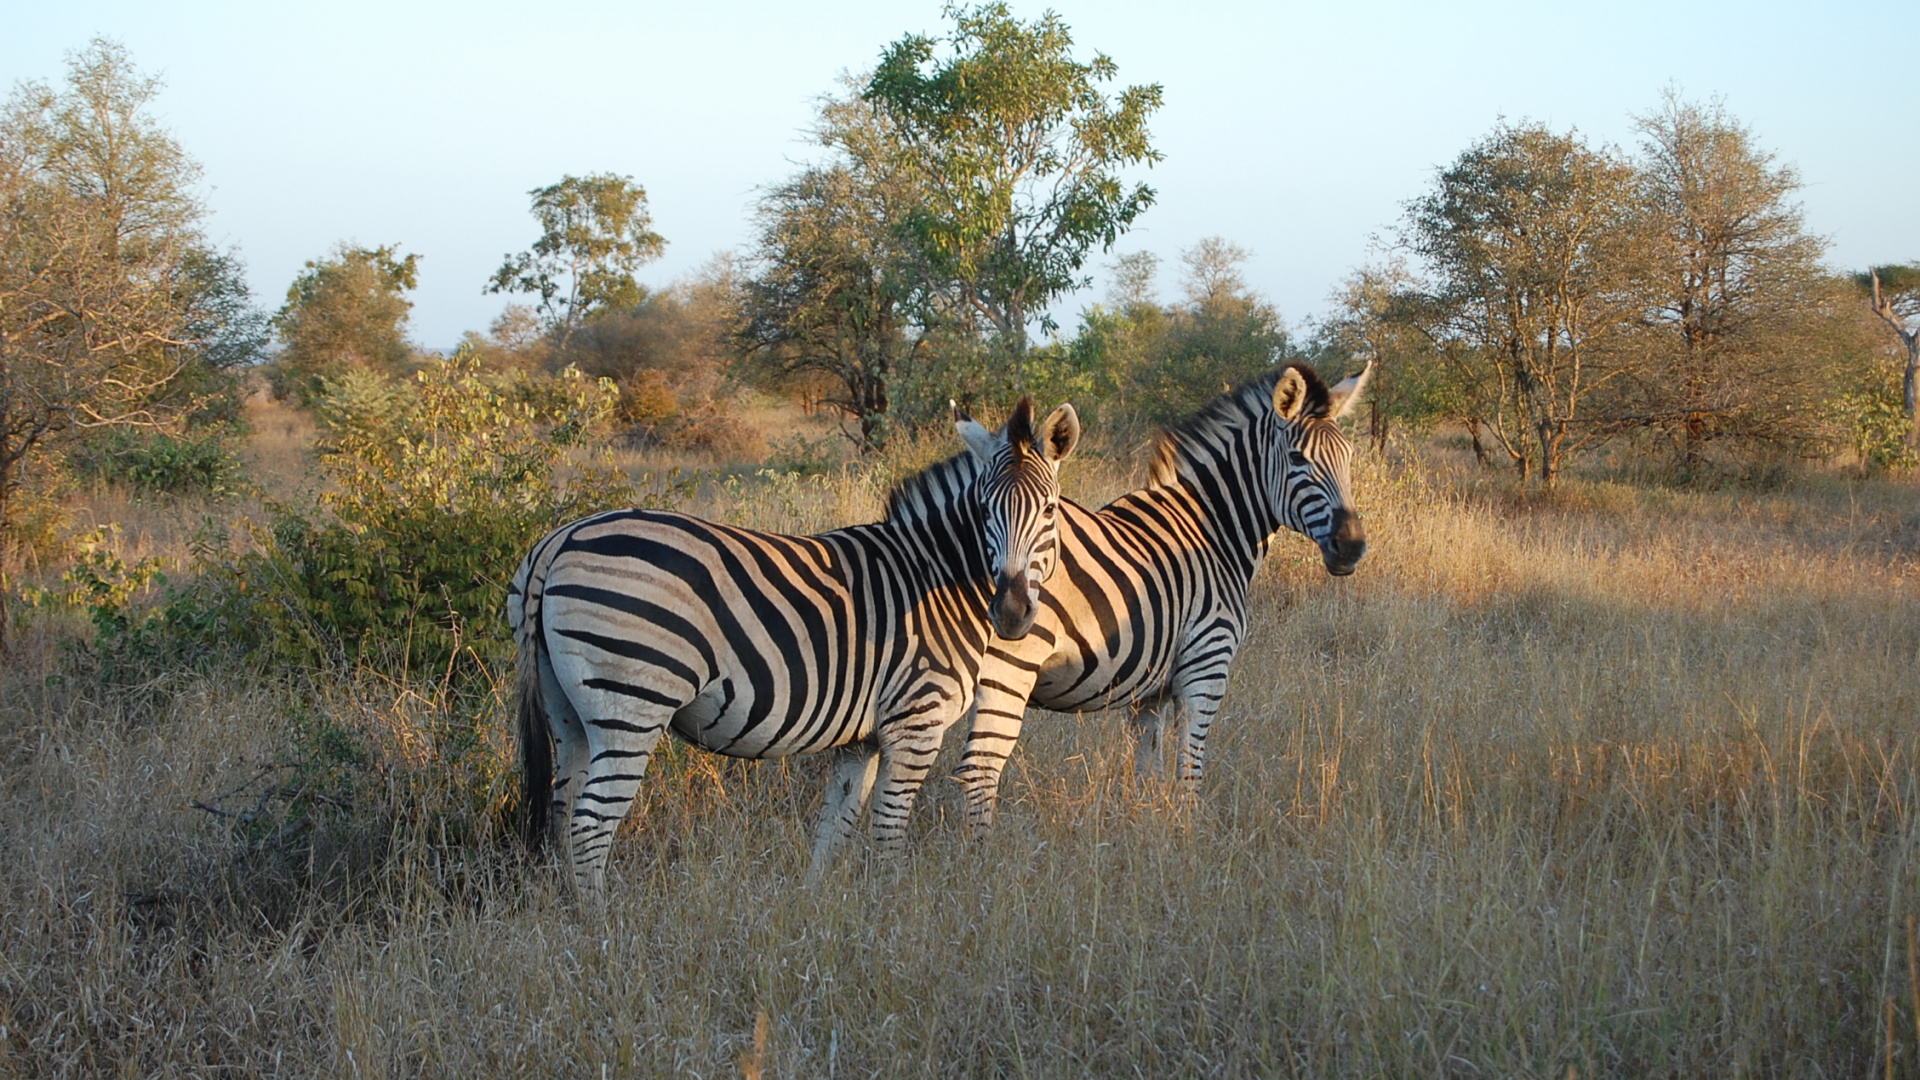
(1615, 783)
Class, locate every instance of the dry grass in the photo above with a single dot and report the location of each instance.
(1616, 784)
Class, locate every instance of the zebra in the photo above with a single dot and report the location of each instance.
(1150, 603)
(865, 641)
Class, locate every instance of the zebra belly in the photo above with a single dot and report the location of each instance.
(1066, 687)
(722, 721)
(1091, 675)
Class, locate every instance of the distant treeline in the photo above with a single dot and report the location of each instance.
(1543, 296)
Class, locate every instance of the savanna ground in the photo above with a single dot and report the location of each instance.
(1617, 782)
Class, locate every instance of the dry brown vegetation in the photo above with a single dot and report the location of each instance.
(1617, 783)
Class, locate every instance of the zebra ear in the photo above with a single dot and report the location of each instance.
(1059, 433)
(1290, 395)
(1345, 394)
(972, 432)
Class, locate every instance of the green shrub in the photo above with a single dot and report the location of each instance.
(807, 457)
(1875, 416)
(433, 505)
(156, 462)
(433, 499)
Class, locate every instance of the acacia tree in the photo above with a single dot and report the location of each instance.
(1896, 300)
(1376, 322)
(111, 303)
(595, 231)
(826, 297)
(1016, 151)
(1533, 249)
(344, 313)
(1735, 293)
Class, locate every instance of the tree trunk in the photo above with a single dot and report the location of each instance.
(6, 546)
(1551, 442)
(1910, 340)
(1479, 448)
(1908, 386)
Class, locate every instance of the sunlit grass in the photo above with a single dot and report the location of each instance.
(1616, 783)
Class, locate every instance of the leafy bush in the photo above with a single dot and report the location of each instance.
(433, 504)
(807, 457)
(1875, 416)
(141, 625)
(155, 462)
(433, 499)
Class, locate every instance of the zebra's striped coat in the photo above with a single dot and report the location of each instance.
(1149, 604)
(868, 639)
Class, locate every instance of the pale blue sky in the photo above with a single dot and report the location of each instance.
(1295, 130)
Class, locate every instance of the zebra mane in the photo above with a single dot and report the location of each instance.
(1235, 410)
(933, 493)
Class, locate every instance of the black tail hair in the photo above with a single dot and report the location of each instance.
(536, 748)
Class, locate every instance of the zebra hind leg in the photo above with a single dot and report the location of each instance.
(854, 769)
(569, 759)
(621, 735)
(1148, 727)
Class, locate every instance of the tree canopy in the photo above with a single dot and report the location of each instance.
(1733, 289)
(1531, 245)
(345, 312)
(595, 231)
(1017, 153)
(115, 312)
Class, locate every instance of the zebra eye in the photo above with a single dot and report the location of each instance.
(1296, 457)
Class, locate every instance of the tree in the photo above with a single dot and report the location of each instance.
(1213, 277)
(594, 233)
(1735, 293)
(1412, 383)
(1016, 151)
(113, 309)
(826, 299)
(1222, 335)
(1896, 300)
(1134, 285)
(1533, 247)
(669, 355)
(347, 312)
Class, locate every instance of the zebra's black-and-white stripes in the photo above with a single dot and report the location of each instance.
(866, 640)
(1149, 604)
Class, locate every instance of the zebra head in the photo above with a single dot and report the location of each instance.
(1307, 475)
(1019, 492)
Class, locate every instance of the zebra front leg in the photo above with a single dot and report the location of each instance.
(907, 752)
(854, 768)
(999, 710)
(1198, 705)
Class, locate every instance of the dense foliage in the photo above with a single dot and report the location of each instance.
(115, 311)
(431, 505)
(345, 312)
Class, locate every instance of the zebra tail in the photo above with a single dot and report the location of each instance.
(536, 742)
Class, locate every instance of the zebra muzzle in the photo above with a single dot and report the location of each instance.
(1345, 545)
(1014, 605)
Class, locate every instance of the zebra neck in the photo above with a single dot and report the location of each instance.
(1222, 486)
(933, 512)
